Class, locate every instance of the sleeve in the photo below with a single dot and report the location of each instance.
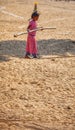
(30, 23)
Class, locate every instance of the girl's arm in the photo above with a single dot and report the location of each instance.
(40, 28)
(28, 28)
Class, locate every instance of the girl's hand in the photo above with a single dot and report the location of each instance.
(27, 30)
(41, 28)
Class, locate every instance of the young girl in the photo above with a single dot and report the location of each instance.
(31, 46)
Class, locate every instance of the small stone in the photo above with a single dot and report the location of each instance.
(53, 59)
(68, 107)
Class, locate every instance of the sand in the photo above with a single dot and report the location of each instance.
(37, 94)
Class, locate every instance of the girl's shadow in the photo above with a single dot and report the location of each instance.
(16, 48)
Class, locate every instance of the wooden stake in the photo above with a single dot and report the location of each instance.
(37, 29)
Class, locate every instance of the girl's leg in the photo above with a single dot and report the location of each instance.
(34, 52)
(27, 47)
(31, 47)
(27, 53)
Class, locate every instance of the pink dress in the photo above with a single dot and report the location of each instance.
(31, 46)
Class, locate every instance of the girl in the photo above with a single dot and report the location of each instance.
(31, 46)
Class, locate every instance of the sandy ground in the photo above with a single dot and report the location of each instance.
(37, 94)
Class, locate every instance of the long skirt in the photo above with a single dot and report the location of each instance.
(31, 46)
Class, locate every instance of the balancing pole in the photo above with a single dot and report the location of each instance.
(37, 29)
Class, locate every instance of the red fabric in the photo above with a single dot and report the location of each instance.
(31, 46)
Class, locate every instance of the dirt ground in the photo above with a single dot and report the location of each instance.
(37, 94)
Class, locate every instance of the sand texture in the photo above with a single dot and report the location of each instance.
(37, 94)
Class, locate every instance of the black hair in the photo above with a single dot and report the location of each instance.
(35, 14)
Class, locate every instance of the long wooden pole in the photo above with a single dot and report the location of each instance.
(38, 29)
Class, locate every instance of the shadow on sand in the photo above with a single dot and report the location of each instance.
(16, 48)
